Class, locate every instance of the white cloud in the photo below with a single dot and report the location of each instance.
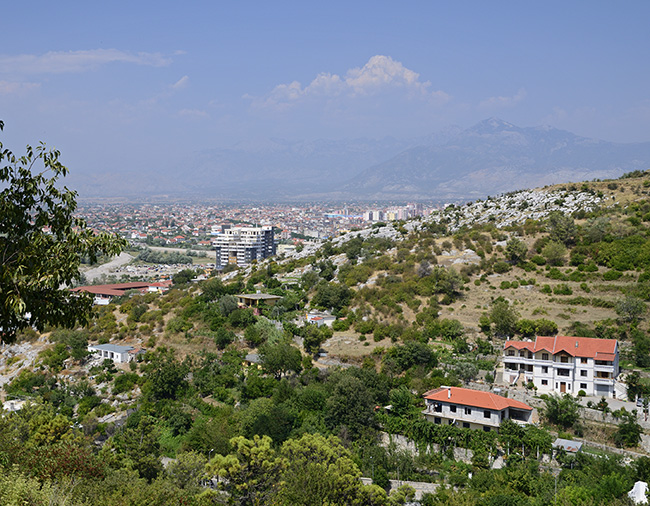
(181, 83)
(58, 62)
(193, 113)
(503, 102)
(379, 74)
(12, 88)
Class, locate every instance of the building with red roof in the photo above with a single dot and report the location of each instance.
(472, 409)
(564, 364)
(103, 294)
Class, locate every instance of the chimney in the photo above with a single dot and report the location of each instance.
(576, 344)
(448, 392)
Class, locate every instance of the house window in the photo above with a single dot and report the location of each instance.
(544, 370)
(437, 420)
(583, 386)
(452, 408)
(521, 353)
(544, 382)
(465, 425)
(583, 373)
(487, 414)
(544, 356)
(583, 360)
(511, 353)
(530, 355)
(468, 411)
(486, 429)
(564, 359)
(563, 372)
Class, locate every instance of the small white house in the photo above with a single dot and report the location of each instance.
(118, 354)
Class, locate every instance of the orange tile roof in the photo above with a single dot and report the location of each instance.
(588, 347)
(474, 398)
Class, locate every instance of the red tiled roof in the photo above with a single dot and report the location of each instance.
(474, 398)
(115, 289)
(589, 347)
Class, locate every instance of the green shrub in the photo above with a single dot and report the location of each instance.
(562, 289)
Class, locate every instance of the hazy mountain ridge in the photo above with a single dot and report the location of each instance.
(494, 157)
(490, 157)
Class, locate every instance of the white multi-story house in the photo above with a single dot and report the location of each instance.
(472, 409)
(564, 364)
(241, 245)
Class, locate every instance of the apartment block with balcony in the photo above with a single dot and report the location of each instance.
(563, 364)
(472, 409)
(241, 245)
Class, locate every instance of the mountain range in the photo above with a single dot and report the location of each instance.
(488, 158)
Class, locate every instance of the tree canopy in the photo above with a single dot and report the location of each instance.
(42, 244)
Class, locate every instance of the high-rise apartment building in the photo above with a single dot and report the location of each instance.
(241, 245)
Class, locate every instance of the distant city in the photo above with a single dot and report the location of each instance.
(198, 225)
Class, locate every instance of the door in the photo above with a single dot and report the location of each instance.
(562, 387)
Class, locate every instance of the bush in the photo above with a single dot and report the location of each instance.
(562, 289)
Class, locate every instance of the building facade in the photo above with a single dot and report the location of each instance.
(241, 245)
(472, 409)
(564, 364)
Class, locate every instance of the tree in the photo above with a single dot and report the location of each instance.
(630, 308)
(249, 474)
(516, 250)
(279, 358)
(561, 228)
(554, 252)
(629, 431)
(562, 410)
(42, 244)
(350, 405)
(504, 317)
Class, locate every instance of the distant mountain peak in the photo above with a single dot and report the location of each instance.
(491, 126)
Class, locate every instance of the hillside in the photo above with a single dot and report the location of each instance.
(290, 413)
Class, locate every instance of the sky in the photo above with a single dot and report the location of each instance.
(133, 86)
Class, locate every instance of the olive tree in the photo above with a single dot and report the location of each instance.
(42, 244)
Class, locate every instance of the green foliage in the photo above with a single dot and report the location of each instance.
(280, 357)
(504, 318)
(42, 243)
(183, 277)
(554, 253)
(629, 431)
(350, 407)
(562, 410)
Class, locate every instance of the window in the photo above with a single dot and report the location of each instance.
(583, 360)
(544, 356)
(487, 414)
(563, 372)
(511, 353)
(437, 420)
(583, 373)
(522, 353)
(468, 411)
(583, 386)
(564, 359)
(544, 382)
(452, 408)
(544, 370)
(530, 355)
(486, 429)
(465, 425)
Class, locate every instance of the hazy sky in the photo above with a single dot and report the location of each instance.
(140, 84)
